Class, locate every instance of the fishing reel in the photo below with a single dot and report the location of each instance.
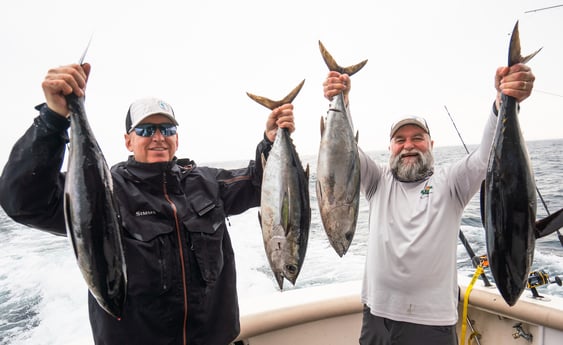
(540, 278)
(484, 261)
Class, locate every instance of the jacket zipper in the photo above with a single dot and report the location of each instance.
(182, 262)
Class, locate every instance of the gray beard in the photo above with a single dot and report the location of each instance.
(420, 170)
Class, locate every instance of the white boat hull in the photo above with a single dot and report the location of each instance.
(332, 314)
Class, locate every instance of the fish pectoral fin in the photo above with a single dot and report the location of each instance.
(357, 136)
(307, 172)
(482, 203)
(319, 190)
(260, 219)
(286, 214)
(549, 224)
(322, 125)
(69, 229)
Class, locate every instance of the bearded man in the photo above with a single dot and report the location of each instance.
(410, 291)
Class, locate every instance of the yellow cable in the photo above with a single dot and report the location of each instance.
(476, 275)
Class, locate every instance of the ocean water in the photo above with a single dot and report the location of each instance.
(43, 299)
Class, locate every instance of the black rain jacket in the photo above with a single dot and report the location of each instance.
(173, 217)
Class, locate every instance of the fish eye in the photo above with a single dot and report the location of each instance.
(292, 269)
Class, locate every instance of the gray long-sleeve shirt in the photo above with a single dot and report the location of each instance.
(410, 272)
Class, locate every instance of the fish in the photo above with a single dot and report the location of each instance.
(338, 167)
(285, 211)
(509, 199)
(92, 217)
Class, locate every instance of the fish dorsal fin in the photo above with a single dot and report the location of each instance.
(333, 66)
(270, 104)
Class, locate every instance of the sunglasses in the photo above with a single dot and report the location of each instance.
(148, 129)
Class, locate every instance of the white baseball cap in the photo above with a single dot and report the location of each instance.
(145, 107)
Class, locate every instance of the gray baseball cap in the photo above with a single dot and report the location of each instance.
(409, 120)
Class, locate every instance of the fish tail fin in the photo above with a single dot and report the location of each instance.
(333, 66)
(270, 104)
(514, 50)
(525, 59)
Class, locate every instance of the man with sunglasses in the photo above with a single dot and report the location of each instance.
(181, 286)
(410, 291)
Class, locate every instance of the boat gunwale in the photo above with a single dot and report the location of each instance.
(546, 312)
(276, 311)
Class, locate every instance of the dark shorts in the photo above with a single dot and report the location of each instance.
(381, 331)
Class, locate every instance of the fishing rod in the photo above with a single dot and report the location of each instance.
(549, 93)
(475, 260)
(537, 189)
(543, 8)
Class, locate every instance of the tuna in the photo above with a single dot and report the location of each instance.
(91, 214)
(285, 213)
(338, 167)
(510, 197)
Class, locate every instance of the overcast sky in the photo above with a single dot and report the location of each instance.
(203, 56)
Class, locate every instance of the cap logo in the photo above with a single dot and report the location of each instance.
(163, 105)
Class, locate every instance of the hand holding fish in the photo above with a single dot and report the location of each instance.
(516, 81)
(63, 81)
(281, 117)
(335, 83)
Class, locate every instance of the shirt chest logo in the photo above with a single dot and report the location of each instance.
(425, 192)
(145, 213)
